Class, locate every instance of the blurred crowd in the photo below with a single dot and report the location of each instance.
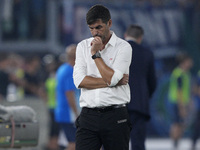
(157, 3)
(33, 77)
(24, 76)
(22, 19)
(25, 20)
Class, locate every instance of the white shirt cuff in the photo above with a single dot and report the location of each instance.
(117, 76)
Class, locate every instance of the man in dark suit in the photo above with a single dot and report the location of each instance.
(142, 81)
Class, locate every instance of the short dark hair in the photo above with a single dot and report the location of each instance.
(135, 31)
(97, 12)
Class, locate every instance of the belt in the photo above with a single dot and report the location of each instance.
(106, 108)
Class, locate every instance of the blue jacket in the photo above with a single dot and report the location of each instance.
(142, 79)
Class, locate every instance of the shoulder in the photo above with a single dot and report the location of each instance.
(122, 41)
(136, 47)
(64, 69)
(68, 68)
(60, 68)
(122, 44)
(177, 72)
(148, 52)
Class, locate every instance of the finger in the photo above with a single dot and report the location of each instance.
(97, 37)
(126, 75)
(93, 42)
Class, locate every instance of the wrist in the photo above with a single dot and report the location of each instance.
(96, 55)
(93, 52)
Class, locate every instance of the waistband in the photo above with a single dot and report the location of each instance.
(105, 108)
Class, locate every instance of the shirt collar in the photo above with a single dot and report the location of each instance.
(113, 39)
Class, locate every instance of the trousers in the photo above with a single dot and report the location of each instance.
(138, 133)
(110, 129)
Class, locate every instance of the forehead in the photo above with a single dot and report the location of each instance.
(96, 23)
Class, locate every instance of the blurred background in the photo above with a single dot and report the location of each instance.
(39, 30)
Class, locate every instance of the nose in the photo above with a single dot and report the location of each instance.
(95, 32)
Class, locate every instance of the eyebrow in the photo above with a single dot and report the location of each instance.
(97, 27)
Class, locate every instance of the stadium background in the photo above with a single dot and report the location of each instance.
(48, 26)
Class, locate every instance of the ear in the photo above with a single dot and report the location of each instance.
(110, 23)
(140, 39)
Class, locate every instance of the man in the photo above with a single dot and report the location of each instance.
(50, 86)
(101, 71)
(179, 96)
(32, 79)
(4, 75)
(142, 80)
(196, 121)
(66, 110)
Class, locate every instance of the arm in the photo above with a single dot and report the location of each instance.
(69, 90)
(72, 101)
(112, 76)
(151, 76)
(92, 83)
(105, 71)
(180, 103)
(81, 79)
(181, 106)
(124, 80)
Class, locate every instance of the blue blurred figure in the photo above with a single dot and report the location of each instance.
(67, 110)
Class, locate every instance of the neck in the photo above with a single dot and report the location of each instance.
(106, 41)
(71, 63)
(129, 38)
(183, 68)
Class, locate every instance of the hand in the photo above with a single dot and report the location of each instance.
(124, 80)
(96, 44)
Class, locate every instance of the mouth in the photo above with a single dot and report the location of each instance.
(98, 36)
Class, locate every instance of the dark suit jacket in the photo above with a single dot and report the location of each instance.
(142, 79)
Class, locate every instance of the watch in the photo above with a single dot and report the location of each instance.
(96, 55)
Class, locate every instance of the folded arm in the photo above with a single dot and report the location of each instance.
(110, 77)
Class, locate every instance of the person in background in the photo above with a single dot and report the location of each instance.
(196, 124)
(4, 75)
(142, 81)
(50, 86)
(66, 110)
(32, 82)
(17, 70)
(101, 71)
(179, 96)
(11, 77)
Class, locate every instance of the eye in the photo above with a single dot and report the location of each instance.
(98, 27)
(91, 28)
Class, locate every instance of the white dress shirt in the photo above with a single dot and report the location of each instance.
(116, 55)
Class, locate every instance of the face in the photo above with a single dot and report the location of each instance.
(71, 53)
(101, 29)
(188, 64)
